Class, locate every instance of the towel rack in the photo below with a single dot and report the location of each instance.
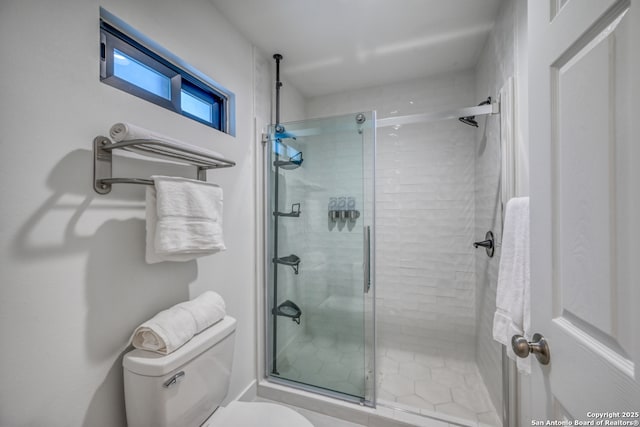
(103, 159)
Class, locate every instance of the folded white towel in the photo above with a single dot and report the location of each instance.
(184, 219)
(128, 132)
(152, 220)
(513, 307)
(170, 329)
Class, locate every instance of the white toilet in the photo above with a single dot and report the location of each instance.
(184, 388)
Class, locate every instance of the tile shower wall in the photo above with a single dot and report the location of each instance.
(496, 65)
(425, 205)
(425, 212)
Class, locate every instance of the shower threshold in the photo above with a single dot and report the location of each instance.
(348, 410)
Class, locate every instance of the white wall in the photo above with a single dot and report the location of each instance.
(74, 283)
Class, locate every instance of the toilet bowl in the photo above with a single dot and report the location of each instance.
(186, 388)
(253, 414)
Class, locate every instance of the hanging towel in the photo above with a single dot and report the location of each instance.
(152, 220)
(508, 142)
(513, 308)
(128, 132)
(170, 329)
(184, 219)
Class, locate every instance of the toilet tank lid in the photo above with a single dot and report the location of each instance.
(152, 364)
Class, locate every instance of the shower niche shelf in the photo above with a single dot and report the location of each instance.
(289, 309)
(295, 211)
(292, 261)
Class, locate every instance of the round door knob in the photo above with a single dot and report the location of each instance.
(539, 346)
(520, 346)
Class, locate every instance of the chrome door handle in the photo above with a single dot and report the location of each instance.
(539, 346)
(367, 259)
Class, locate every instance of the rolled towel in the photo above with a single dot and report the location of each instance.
(166, 331)
(207, 309)
(172, 328)
(127, 132)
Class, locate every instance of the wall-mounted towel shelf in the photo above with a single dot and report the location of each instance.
(103, 159)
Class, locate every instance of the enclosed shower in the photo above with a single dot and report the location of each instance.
(372, 253)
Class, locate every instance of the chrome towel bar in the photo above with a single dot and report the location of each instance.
(103, 159)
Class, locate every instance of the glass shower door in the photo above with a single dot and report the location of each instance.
(320, 255)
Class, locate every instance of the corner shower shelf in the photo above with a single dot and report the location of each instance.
(289, 309)
(181, 153)
(295, 211)
(292, 260)
(292, 163)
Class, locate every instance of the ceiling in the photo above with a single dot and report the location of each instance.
(336, 45)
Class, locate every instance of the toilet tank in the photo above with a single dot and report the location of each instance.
(183, 388)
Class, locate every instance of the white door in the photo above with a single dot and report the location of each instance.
(584, 123)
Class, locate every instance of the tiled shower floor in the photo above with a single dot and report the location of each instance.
(421, 383)
(429, 383)
(325, 362)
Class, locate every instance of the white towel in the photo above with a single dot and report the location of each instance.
(513, 308)
(184, 219)
(172, 328)
(507, 142)
(128, 132)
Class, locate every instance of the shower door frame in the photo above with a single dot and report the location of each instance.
(268, 267)
(508, 411)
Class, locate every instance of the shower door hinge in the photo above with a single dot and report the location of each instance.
(265, 138)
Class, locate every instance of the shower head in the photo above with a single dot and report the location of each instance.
(471, 121)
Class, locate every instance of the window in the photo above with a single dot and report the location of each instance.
(134, 64)
(199, 104)
(141, 75)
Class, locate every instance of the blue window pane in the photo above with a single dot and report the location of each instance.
(196, 107)
(137, 73)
